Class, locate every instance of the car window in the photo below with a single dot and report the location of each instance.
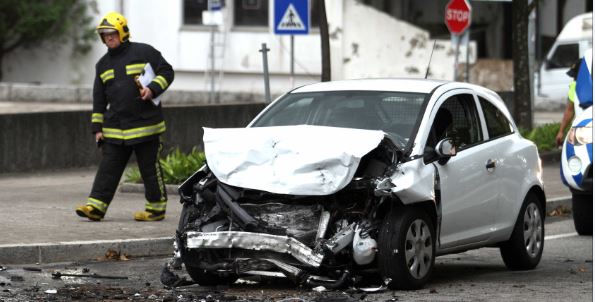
(564, 56)
(293, 113)
(498, 124)
(456, 119)
(392, 112)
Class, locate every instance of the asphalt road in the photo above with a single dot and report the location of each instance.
(564, 274)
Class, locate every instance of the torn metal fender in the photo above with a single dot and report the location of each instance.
(414, 182)
(254, 241)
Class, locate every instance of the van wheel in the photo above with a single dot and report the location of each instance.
(406, 249)
(524, 248)
(582, 212)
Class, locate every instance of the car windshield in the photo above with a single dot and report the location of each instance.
(392, 112)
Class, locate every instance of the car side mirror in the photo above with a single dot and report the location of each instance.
(445, 150)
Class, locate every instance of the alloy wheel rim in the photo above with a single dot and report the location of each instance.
(418, 249)
(533, 230)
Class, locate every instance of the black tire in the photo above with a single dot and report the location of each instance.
(192, 258)
(400, 233)
(205, 278)
(582, 212)
(523, 250)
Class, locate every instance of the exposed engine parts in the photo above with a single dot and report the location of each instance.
(226, 232)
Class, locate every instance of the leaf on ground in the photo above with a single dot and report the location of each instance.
(559, 211)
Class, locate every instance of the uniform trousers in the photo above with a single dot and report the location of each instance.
(112, 165)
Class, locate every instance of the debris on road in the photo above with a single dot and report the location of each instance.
(31, 269)
(51, 291)
(17, 278)
(58, 275)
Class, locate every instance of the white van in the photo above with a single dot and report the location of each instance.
(552, 81)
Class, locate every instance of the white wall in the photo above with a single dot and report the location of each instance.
(385, 47)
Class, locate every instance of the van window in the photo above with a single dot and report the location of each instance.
(564, 56)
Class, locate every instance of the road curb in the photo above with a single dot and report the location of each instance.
(83, 250)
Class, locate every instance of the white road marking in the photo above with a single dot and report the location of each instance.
(552, 237)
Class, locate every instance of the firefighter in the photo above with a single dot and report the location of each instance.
(125, 119)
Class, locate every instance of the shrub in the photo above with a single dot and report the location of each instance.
(544, 136)
(176, 166)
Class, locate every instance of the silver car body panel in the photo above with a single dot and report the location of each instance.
(282, 159)
(254, 241)
(414, 182)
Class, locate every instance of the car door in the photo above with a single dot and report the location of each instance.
(468, 190)
(509, 166)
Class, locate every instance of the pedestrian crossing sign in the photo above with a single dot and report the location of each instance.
(291, 17)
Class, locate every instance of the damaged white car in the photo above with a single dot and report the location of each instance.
(336, 182)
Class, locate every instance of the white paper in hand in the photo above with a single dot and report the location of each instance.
(145, 79)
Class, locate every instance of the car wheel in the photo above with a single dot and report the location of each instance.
(202, 276)
(524, 248)
(406, 248)
(582, 212)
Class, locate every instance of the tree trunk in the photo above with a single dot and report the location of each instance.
(324, 43)
(1, 64)
(560, 14)
(523, 113)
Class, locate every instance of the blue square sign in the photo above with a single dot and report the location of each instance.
(291, 17)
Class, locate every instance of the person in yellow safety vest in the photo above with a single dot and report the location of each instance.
(571, 106)
(127, 119)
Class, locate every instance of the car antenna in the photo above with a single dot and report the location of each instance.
(431, 53)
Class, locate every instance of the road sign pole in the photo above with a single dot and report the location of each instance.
(467, 37)
(265, 67)
(212, 63)
(291, 69)
(458, 44)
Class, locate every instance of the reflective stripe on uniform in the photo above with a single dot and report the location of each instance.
(107, 75)
(159, 173)
(572, 91)
(97, 118)
(97, 204)
(135, 68)
(158, 206)
(160, 81)
(134, 132)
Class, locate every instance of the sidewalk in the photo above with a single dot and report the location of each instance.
(39, 223)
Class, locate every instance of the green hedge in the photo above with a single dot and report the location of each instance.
(176, 166)
(543, 136)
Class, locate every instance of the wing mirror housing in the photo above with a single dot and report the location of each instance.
(445, 150)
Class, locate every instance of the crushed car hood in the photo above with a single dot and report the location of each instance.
(298, 160)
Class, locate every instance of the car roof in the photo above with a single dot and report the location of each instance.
(396, 84)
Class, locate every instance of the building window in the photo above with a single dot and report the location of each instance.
(251, 13)
(193, 11)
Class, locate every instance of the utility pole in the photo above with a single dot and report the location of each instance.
(324, 43)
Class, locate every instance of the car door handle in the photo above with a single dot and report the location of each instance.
(491, 164)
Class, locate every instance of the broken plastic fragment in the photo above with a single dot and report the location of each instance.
(319, 289)
(51, 291)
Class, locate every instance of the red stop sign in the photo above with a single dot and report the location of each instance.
(457, 16)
